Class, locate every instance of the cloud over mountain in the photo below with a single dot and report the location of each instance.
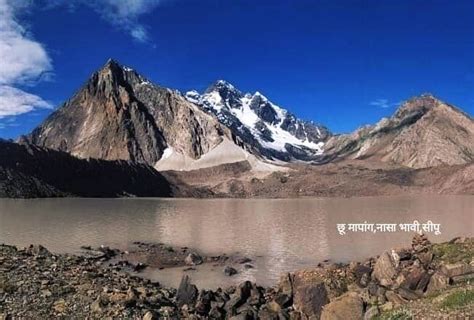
(24, 61)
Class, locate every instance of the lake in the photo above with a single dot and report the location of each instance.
(279, 235)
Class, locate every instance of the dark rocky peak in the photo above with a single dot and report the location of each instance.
(229, 94)
(113, 75)
(263, 108)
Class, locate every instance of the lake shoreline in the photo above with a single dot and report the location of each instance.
(37, 283)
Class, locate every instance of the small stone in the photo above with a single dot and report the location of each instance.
(59, 306)
(229, 271)
(387, 306)
(149, 316)
(243, 260)
(193, 259)
(46, 293)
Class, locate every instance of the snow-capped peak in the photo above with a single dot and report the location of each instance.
(255, 119)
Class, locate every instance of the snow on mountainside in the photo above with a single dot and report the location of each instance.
(273, 131)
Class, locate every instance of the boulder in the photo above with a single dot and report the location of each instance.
(187, 293)
(193, 259)
(346, 307)
(463, 278)
(414, 278)
(385, 270)
(309, 299)
(239, 298)
(203, 305)
(425, 257)
(285, 285)
(362, 275)
(457, 269)
(437, 282)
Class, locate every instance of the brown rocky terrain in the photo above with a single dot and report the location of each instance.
(347, 178)
(424, 132)
(425, 281)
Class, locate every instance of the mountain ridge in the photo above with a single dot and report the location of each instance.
(119, 114)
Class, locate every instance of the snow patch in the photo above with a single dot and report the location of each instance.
(225, 152)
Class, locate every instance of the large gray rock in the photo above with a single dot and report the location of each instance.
(346, 307)
(385, 269)
(187, 293)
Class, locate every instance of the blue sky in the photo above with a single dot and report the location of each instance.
(339, 63)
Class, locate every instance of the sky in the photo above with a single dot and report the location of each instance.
(339, 63)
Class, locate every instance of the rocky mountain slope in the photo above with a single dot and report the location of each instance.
(272, 130)
(424, 132)
(31, 171)
(119, 115)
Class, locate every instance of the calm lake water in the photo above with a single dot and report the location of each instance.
(280, 235)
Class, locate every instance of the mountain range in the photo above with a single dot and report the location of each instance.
(118, 114)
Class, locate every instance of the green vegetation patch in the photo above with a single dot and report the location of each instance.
(398, 314)
(458, 299)
(452, 253)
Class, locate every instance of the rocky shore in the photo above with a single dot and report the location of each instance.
(426, 281)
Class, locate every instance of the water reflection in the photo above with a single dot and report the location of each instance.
(281, 235)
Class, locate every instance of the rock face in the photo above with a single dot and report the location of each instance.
(424, 132)
(119, 115)
(31, 171)
(267, 128)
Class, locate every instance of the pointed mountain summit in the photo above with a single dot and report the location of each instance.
(119, 115)
(423, 132)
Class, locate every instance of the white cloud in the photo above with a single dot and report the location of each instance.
(14, 101)
(383, 103)
(22, 61)
(124, 14)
